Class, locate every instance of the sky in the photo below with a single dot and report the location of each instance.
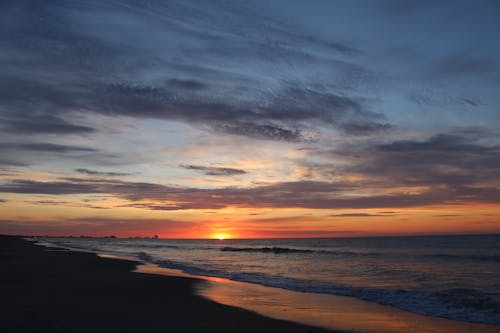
(201, 119)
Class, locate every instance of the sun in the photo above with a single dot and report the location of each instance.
(221, 236)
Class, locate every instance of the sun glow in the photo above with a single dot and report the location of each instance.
(221, 236)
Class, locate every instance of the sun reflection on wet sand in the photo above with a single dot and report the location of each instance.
(329, 311)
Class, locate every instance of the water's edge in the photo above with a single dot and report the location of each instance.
(407, 300)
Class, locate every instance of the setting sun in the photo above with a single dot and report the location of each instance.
(221, 236)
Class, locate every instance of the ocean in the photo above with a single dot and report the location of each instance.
(454, 277)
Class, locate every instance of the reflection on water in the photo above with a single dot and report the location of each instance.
(329, 311)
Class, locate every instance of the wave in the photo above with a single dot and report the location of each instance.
(284, 250)
(291, 250)
(151, 246)
(473, 257)
(276, 250)
(438, 256)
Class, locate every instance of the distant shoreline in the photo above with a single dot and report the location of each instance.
(258, 238)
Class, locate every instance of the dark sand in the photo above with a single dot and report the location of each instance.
(54, 290)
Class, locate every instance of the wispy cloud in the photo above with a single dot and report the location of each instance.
(359, 215)
(95, 225)
(102, 173)
(45, 147)
(62, 203)
(40, 124)
(214, 171)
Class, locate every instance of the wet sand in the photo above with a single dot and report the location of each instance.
(55, 290)
(328, 311)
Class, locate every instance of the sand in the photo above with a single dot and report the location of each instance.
(54, 290)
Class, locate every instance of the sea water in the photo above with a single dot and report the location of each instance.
(454, 277)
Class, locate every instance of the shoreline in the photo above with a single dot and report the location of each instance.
(57, 290)
(330, 311)
(305, 312)
(337, 313)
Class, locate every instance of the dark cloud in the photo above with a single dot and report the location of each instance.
(472, 102)
(154, 206)
(343, 48)
(256, 131)
(463, 157)
(45, 147)
(365, 128)
(462, 64)
(438, 99)
(214, 171)
(60, 63)
(101, 173)
(358, 215)
(57, 188)
(54, 203)
(448, 168)
(282, 116)
(10, 162)
(443, 143)
(447, 215)
(442, 159)
(23, 154)
(40, 124)
(186, 84)
(301, 194)
(96, 226)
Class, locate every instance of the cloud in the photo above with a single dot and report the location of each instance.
(100, 173)
(446, 159)
(366, 128)
(215, 171)
(442, 143)
(11, 162)
(280, 115)
(461, 157)
(57, 188)
(156, 206)
(447, 215)
(25, 154)
(98, 226)
(441, 100)
(358, 215)
(464, 65)
(300, 194)
(186, 84)
(45, 147)
(40, 124)
(256, 131)
(62, 65)
(447, 168)
(54, 203)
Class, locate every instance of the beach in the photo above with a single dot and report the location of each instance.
(372, 284)
(55, 290)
